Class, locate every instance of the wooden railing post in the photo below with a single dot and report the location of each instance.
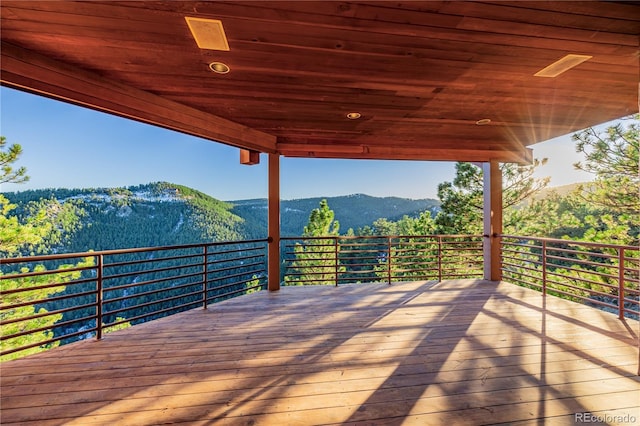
(621, 283)
(544, 268)
(99, 296)
(205, 275)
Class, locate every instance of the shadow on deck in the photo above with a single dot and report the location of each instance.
(456, 352)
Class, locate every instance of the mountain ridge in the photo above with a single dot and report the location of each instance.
(351, 211)
(163, 214)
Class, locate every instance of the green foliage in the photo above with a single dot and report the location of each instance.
(120, 197)
(138, 216)
(9, 155)
(316, 260)
(321, 222)
(613, 157)
(212, 217)
(354, 211)
(462, 200)
(411, 251)
(604, 211)
(421, 225)
(40, 326)
(80, 220)
(253, 286)
(43, 225)
(549, 217)
(15, 235)
(120, 324)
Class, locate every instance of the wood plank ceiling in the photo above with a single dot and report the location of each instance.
(421, 74)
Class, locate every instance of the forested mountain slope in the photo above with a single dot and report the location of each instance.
(155, 214)
(161, 214)
(352, 211)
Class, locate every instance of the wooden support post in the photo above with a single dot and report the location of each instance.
(492, 220)
(274, 223)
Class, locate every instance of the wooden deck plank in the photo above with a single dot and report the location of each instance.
(412, 353)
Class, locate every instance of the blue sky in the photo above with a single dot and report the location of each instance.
(68, 146)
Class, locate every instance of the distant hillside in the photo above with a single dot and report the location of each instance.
(162, 214)
(352, 211)
(561, 190)
(156, 214)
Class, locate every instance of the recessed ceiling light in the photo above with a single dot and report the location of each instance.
(354, 115)
(483, 121)
(562, 65)
(208, 33)
(219, 67)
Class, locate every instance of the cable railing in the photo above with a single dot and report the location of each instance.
(57, 299)
(365, 259)
(605, 276)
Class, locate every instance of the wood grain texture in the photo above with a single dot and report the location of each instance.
(27, 70)
(457, 352)
(420, 73)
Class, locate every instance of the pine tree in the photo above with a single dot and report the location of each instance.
(613, 157)
(316, 260)
(462, 200)
(8, 156)
(21, 237)
(321, 222)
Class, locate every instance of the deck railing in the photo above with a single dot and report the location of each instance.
(49, 300)
(350, 259)
(46, 300)
(601, 275)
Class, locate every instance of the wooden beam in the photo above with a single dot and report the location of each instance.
(274, 223)
(249, 157)
(32, 72)
(492, 220)
(521, 156)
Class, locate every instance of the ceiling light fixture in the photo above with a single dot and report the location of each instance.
(562, 65)
(354, 115)
(219, 67)
(483, 121)
(208, 33)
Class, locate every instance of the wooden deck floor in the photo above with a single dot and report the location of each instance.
(459, 352)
